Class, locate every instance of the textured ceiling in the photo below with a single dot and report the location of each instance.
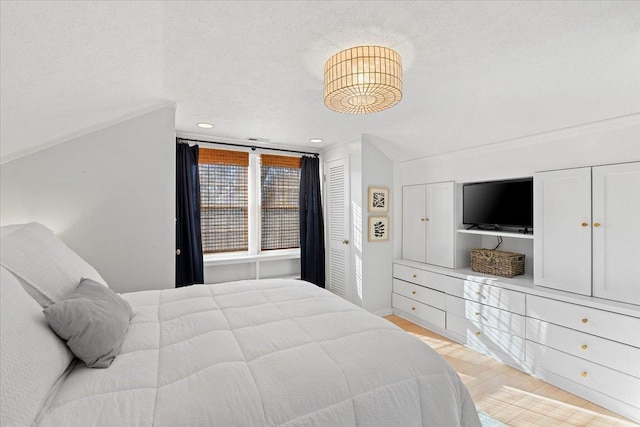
(474, 72)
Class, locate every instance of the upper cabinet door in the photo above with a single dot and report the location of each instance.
(440, 224)
(562, 227)
(413, 223)
(616, 232)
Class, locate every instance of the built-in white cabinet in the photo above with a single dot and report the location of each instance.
(586, 231)
(428, 223)
(562, 226)
(587, 346)
(616, 232)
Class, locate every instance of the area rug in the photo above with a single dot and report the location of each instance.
(487, 421)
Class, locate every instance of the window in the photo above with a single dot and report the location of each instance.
(249, 202)
(279, 189)
(224, 200)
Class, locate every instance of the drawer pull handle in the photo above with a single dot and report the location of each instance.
(413, 309)
(413, 292)
(480, 294)
(477, 313)
(584, 374)
(584, 224)
(477, 333)
(415, 275)
(585, 320)
(584, 346)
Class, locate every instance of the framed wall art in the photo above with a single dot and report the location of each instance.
(378, 228)
(378, 199)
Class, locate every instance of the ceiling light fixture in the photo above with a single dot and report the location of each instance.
(362, 80)
(316, 140)
(204, 125)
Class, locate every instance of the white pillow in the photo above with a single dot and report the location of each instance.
(46, 267)
(32, 357)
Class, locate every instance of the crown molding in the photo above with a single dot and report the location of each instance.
(541, 138)
(90, 129)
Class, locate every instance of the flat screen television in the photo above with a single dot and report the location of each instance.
(497, 204)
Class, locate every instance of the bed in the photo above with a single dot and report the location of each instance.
(247, 353)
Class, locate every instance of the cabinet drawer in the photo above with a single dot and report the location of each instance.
(608, 353)
(436, 281)
(596, 377)
(421, 311)
(419, 293)
(494, 296)
(487, 340)
(485, 315)
(613, 326)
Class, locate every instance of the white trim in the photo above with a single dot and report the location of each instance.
(540, 138)
(90, 129)
(245, 258)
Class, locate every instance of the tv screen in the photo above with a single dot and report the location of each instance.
(498, 203)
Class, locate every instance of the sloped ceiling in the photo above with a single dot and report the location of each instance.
(474, 72)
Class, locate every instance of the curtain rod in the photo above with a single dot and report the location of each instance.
(253, 147)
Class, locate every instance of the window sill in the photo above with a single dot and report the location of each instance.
(244, 258)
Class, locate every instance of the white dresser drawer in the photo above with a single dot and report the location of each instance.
(494, 296)
(613, 326)
(596, 377)
(487, 340)
(486, 315)
(608, 353)
(419, 293)
(436, 281)
(422, 311)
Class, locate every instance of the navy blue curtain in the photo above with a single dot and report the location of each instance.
(311, 223)
(189, 263)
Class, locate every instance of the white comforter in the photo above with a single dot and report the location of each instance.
(262, 353)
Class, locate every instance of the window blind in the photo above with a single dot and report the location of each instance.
(224, 199)
(279, 189)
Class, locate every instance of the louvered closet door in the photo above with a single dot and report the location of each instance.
(338, 224)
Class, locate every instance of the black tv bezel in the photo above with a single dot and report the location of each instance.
(493, 226)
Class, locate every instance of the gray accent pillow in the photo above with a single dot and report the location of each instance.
(93, 321)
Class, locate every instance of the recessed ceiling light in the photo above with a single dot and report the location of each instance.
(316, 140)
(204, 125)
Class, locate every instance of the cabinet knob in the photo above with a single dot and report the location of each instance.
(415, 275)
(477, 313)
(596, 224)
(423, 219)
(413, 309)
(426, 219)
(584, 374)
(585, 320)
(584, 224)
(413, 292)
(584, 346)
(478, 333)
(345, 241)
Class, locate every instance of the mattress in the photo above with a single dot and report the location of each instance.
(261, 353)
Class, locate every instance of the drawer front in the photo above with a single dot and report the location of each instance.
(613, 326)
(419, 293)
(494, 296)
(485, 339)
(485, 315)
(436, 281)
(596, 377)
(608, 353)
(421, 311)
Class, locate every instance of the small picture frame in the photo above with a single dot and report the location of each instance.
(378, 199)
(378, 228)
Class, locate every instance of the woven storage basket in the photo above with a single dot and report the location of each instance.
(498, 263)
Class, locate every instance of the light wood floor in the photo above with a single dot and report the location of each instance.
(511, 396)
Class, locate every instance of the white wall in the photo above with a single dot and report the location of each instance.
(609, 141)
(377, 171)
(370, 262)
(109, 194)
